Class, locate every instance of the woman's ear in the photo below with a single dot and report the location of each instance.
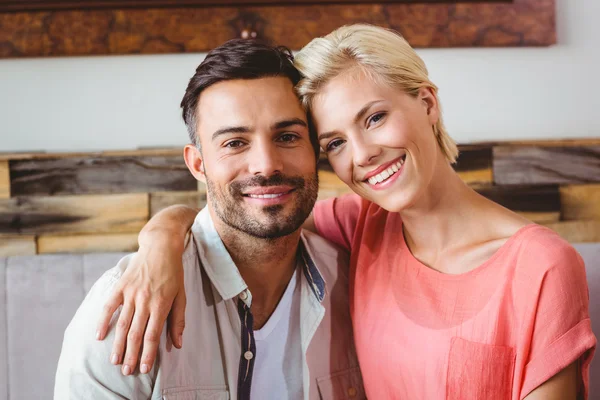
(430, 102)
(193, 160)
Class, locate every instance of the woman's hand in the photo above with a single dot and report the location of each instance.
(151, 291)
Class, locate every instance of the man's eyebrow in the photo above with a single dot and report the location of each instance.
(230, 129)
(359, 115)
(289, 122)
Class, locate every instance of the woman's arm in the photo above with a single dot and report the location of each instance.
(562, 386)
(151, 290)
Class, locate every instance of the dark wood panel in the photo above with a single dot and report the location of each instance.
(86, 175)
(37, 5)
(540, 204)
(546, 165)
(81, 214)
(474, 165)
(177, 30)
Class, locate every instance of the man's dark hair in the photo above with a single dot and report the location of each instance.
(239, 59)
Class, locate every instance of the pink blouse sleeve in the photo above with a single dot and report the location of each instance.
(336, 218)
(562, 331)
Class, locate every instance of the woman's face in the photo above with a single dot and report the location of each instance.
(379, 140)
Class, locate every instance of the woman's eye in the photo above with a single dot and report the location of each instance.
(375, 118)
(234, 144)
(334, 144)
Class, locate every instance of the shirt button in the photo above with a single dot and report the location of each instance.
(248, 355)
(243, 295)
(352, 392)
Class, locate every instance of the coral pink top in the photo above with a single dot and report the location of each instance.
(496, 332)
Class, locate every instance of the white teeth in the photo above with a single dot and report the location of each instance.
(265, 196)
(384, 175)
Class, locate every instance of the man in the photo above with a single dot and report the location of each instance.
(267, 304)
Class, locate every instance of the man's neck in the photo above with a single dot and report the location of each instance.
(266, 265)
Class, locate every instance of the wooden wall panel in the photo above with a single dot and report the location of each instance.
(580, 202)
(81, 214)
(13, 245)
(161, 200)
(177, 30)
(112, 242)
(474, 165)
(540, 204)
(577, 231)
(87, 175)
(516, 165)
(4, 180)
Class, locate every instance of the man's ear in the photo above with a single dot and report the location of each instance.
(193, 160)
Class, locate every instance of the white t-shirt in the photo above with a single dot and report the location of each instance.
(278, 364)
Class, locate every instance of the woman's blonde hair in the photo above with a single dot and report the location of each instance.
(382, 54)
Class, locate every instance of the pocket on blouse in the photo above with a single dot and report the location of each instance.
(343, 385)
(479, 371)
(205, 393)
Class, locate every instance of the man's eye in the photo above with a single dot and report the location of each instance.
(288, 137)
(334, 144)
(234, 144)
(375, 118)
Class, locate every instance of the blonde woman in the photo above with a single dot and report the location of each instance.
(452, 295)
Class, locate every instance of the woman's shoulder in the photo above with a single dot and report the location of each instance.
(540, 250)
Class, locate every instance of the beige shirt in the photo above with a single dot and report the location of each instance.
(217, 358)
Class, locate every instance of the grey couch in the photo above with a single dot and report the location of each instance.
(39, 295)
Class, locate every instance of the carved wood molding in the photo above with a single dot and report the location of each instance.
(199, 29)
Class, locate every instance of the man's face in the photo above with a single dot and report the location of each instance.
(257, 158)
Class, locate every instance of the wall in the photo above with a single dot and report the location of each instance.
(92, 103)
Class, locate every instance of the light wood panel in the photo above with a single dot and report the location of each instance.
(82, 214)
(13, 245)
(113, 242)
(577, 231)
(161, 200)
(580, 202)
(4, 180)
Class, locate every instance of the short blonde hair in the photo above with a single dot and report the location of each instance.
(381, 53)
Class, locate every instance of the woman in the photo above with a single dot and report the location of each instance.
(452, 295)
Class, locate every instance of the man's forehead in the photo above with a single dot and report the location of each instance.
(270, 98)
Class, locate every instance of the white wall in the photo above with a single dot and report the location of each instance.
(93, 103)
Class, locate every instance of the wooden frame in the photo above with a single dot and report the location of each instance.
(199, 29)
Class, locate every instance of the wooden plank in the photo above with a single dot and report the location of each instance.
(15, 245)
(546, 165)
(87, 243)
(537, 203)
(158, 201)
(580, 202)
(577, 231)
(142, 152)
(474, 165)
(87, 175)
(81, 214)
(4, 180)
(199, 29)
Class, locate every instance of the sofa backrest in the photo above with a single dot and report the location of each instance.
(40, 294)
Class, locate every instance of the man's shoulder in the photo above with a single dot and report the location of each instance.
(331, 260)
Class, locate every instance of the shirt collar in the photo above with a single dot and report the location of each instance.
(223, 272)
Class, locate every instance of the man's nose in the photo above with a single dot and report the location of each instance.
(265, 159)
